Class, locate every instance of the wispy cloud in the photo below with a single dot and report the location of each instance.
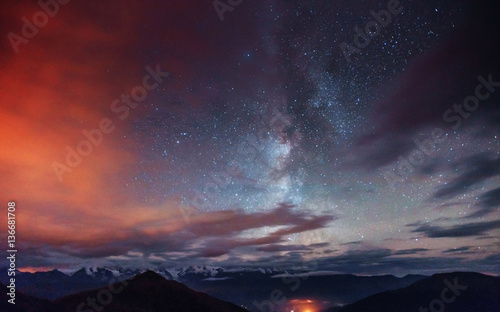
(461, 230)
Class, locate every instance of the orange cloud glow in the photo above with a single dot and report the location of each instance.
(60, 83)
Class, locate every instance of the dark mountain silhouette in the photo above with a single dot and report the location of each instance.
(23, 303)
(450, 292)
(147, 292)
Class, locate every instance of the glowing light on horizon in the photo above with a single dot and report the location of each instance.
(304, 305)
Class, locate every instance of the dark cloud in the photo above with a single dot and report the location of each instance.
(369, 261)
(319, 245)
(223, 246)
(462, 230)
(433, 82)
(410, 251)
(231, 223)
(487, 203)
(478, 169)
(329, 251)
(374, 261)
(350, 243)
(215, 232)
(490, 199)
(459, 250)
(288, 260)
(363, 256)
(431, 167)
(277, 248)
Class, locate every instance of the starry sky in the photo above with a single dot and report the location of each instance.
(361, 136)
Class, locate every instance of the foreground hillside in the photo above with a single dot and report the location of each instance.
(450, 292)
(148, 292)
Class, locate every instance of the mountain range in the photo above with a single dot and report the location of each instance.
(152, 292)
(146, 292)
(450, 292)
(241, 286)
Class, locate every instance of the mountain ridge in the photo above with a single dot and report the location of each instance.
(145, 292)
(451, 292)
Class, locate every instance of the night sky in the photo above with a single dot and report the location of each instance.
(253, 133)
